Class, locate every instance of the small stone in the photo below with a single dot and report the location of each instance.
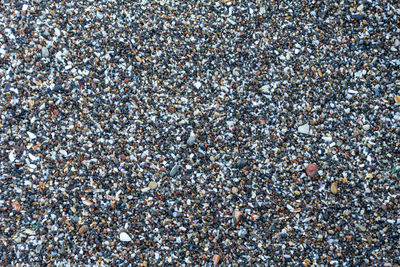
(45, 52)
(242, 163)
(366, 127)
(29, 231)
(235, 190)
(297, 193)
(312, 170)
(397, 99)
(265, 88)
(352, 91)
(236, 217)
(197, 85)
(11, 156)
(192, 139)
(357, 16)
(334, 188)
(82, 229)
(174, 170)
(362, 228)
(216, 259)
(305, 129)
(16, 206)
(145, 189)
(31, 135)
(87, 202)
(327, 139)
(153, 185)
(138, 59)
(124, 237)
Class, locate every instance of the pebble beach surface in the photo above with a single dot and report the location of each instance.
(199, 133)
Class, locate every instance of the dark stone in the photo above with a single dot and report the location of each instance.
(242, 163)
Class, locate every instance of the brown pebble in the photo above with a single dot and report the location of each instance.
(82, 229)
(236, 217)
(334, 188)
(216, 259)
(16, 206)
(312, 170)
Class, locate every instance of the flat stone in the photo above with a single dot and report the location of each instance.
(82, 229)
(174, 170)
(153, 185)
(197, 85)
(312, 170)
(124, 237)
(357, 16)
(305, 129)
(235, 190)
(45, 52)
(192, 139)
(366, 127)
(266, 88)
(31, 135)
(327, 139)
(236, 217)
(397, 99)
(216, 259)
(334, 188)
(242, 163)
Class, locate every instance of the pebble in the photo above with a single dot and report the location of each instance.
(327, 139)
(242, 163)
(124, 237)
(82, 229)
(312, 169)
(153, 185)
(216, 258)
(174, 170)
(192, 139)
(235, 190)
(237, 215)
(305, 129)
(362, 228)
(16, 206)
(334, 188)
(45, 52)
(366, 127)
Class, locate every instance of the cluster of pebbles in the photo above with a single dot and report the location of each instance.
(199, 133)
